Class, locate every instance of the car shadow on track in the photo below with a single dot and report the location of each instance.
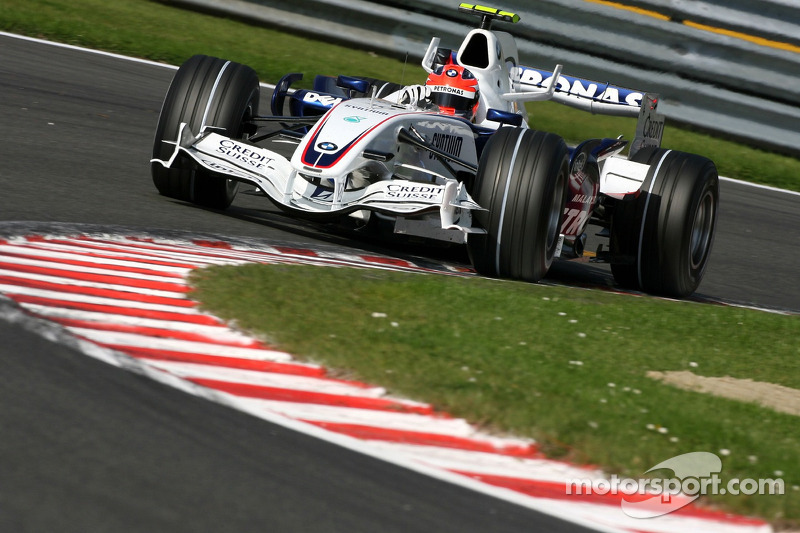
(352, 238)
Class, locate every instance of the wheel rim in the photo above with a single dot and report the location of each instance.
(702, 229)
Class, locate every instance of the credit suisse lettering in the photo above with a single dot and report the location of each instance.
(414, 192)
(243, 154)
(652, 128)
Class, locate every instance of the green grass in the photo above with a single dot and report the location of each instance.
(540, 361)
(497, 353)
(162, 32)
(734, 160)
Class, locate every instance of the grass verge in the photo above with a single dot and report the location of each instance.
(501, 354)
(157, 31)
(564, 366)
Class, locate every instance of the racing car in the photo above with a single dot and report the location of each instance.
(453, 160)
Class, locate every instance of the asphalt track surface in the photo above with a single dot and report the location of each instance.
(85, 447)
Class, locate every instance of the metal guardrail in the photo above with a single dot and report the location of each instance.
(722, 83)
(776, 20)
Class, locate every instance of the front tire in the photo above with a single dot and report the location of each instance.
(661, 241)
(522, 181)
(206, 91)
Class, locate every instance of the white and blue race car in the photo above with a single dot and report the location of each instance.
(408, 156)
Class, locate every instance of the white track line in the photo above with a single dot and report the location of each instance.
(86, 284)
(24, 261)
(220, 332)
(32, 254)
(268, 379)
(760, 186)
(135, 340)
(99, 300)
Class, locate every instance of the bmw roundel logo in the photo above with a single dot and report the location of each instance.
(452, 73)
(327, 147)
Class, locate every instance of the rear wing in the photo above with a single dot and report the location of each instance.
(533, 84)
(595, 97)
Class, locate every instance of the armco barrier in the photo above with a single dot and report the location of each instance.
(723, 83)
(775, 20)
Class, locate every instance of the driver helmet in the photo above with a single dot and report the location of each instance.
(455, 90)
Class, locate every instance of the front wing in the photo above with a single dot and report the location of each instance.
(274, 175)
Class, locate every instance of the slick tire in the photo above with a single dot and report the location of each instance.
(206, 91)
(661, 241)
(522, 182)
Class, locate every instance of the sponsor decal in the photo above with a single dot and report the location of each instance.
(574, 220)
(323, 99)
(366, 109)
(451, 90)
(583, 88)
(583, 199)
(576, 179)
(653, 127)
(649, 127)
(580, 162)
(243, 154)
(415, 192)
(447, 143)
(327, 146)
(215, 166)
(314, 157)
(354, 119)
(451, 73)
(325, 154)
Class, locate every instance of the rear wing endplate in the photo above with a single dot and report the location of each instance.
(650, 126)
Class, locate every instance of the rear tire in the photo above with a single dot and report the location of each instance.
(206, 91)
(661, 241)
(522, 181)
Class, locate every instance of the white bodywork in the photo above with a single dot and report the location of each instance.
(351, 162)
(330, 175)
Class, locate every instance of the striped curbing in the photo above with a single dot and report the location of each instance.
(125, 300)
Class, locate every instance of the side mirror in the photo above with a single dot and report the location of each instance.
(504, 117)
(280, 92)
(429, 58)
(354, 84)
